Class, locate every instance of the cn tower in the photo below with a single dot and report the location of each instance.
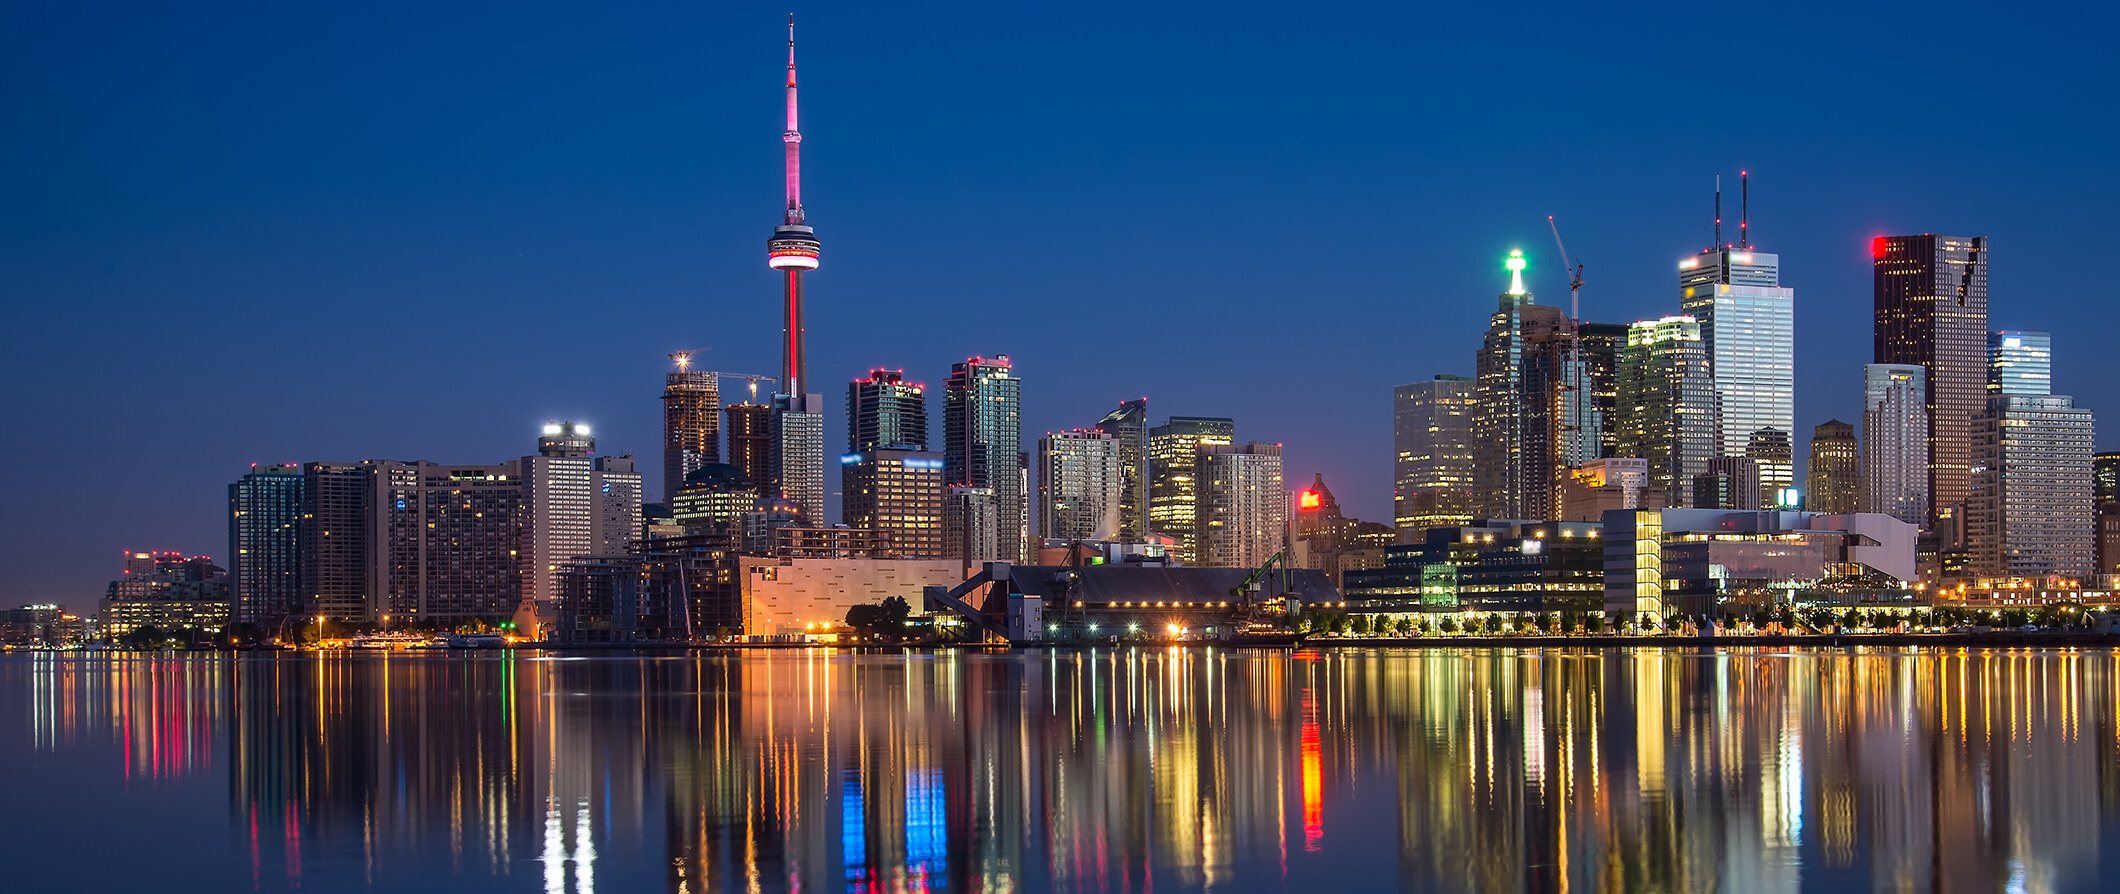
(793, 247)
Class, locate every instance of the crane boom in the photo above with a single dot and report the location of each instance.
(1574, 268)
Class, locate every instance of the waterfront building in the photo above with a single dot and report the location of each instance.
(1173, 458)
(1770, 452)
(833, 543)
(344, 563)
(1833, 483)
(897, 491)
(885, 411)
(1602, 485)
(1931, 299)
(691, 422)
(795, 596)
(169, 591)
(1693, 561)
(1665, 411)
(1432, 453)
(1080, 486)
(559, 507)
(983, 443)
(750, 428)
(1487, 566)
(762, 523)
(2029, 510)
(264, 512)
(674, 589)
(1242, 514)
(1748, 329)
(450, 542)
(1129, 426)
(1533, 415)
(2020, 362)
(1895, 441)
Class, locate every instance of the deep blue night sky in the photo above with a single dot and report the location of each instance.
(270, 232)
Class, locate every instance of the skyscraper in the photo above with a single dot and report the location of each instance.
(982, 442)
(1932, 312)
(1665, 408)
(1731, 482)
(751, 443)
(559, 507)
(1770, 450)
(1600, 344)
(616, 492)
(1895, 441)
(345, 564)
(1833, 483)
(452, 539)
(1748, 328)
(1129, 425)
(884, 410)
(1533, 414)
(896, 490)
(1242, 514)
(2028, 509)
(2020, 362)
(1431, 433)
(1173, 489)
(1079, 485)
(798, 415)
(691, 422)
(264, 512)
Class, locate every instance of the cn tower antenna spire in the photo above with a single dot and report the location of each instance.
(792, 250)
(793, 136)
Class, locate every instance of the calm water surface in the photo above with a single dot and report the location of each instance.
(1128, 770)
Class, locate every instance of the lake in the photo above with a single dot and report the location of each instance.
(1130, 769)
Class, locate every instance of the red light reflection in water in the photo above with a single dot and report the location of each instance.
(1313, 777)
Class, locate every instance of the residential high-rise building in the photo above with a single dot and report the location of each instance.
(1665, 411)
(1431, 434)
(1080, 485)
(2020, 362)
(615, 490)
(451, 540)
(1129, 425)
(691, 422)
(885, 411)
(2105, 497)
(559, 507)
(1833, 483)
(797, 451)
(1770, 451)
(1533, 415)
(1895, 441)
(2029, 509)
(1173, 489)
(264, 515)
(1242, 516)
(713, 500)
(897, 491)
(2105, 477)
(971, 524)
(1748, 328)
(1600, 345)
(751, 442)
(983, 442)
(1932, 312)
(343, 558)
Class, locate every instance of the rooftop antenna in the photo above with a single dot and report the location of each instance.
(1718, 211)
(1744, 212)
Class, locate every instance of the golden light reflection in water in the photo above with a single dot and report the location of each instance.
(1133, 769)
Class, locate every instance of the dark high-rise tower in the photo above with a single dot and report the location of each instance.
(1931, 303)
(885, 411)
(1129, 425)
(982, 443)
(691, 422)
(751, 442)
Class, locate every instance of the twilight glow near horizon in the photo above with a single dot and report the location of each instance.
(238, 234)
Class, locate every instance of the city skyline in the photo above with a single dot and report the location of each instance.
(268, 281)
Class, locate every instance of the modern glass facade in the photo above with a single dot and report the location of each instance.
(885, 411)
(1242, 516)
(1129, 425)
(1080, 486)
(691, 425)
(1665, 411)
(983, 443)
(1932, 312)
(798, 451)
(1173, 490)
(1534, 413)
(897, 491)
(1895, 441)
(2020, 362)
(264, 514)
(1432, 453)
(1834, 481)
(1748, 328)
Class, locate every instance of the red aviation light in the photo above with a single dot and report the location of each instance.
(1879, 247)
(1308, 500)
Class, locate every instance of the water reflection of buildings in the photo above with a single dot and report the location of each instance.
(1134, 769)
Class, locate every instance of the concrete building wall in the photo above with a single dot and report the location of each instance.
(784, 595)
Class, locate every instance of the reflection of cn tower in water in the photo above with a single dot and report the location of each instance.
(793, 248)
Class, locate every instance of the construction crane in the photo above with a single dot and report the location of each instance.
(683, 359)
(1575, 329)
(1575, 271)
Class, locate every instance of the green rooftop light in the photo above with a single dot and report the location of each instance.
(1516, 271)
